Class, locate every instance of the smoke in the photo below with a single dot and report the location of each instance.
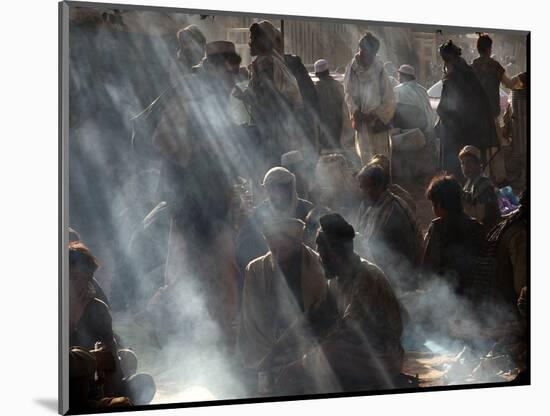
(119, 207)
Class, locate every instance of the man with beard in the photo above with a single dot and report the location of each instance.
(465, 115)
(362, 350)
(282, 202)
(191, 48)
(272, 94)
(199, 139)
(370, 99)
(280, 288)
(389, 232)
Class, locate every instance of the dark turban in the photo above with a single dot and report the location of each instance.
(335, 227)
(449, 49)
(370, 43)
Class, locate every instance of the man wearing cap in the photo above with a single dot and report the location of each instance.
(272, 94)
(370, 100)
(409, 93)
(363, 350)
(478, 194)
(332, 107)
(282, 202)
(280, 287)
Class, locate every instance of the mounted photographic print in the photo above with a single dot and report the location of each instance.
(265, 208)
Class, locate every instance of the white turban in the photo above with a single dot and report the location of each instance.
(278, 176)
(321, 65)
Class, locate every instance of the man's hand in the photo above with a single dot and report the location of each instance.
(105, 361)
(370, 117)
(238, 93)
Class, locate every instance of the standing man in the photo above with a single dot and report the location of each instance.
(332, 107)
(479, 196)
(198, 137)
(410, 94)
(454, 240)
(491, 74)
(464, 111)
(191, 48)
(272, 94)
(370, 100)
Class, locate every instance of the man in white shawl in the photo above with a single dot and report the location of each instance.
(280, 288)
(410, 93)
(370, 100)
(273, 94)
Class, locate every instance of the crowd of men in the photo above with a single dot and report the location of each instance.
(305, 274)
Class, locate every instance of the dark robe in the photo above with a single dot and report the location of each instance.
(391, 238)
(308, 115)
(331, 103)
(362, 350)
(452, 246)
(466, 117)
(490, 74)
(509, 243)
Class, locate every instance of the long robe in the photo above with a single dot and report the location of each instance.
(391, 238)
(370, 90)
(465, 116)
(331, 112)
(266, 296)
(452, 246)
(411, 93)
(201, 143)
(274, 95)
(364, 351)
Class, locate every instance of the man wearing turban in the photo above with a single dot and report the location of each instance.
(370, 100)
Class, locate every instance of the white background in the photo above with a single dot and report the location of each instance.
(29, 205)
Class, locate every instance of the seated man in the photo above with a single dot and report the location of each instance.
(507, 242)
(478, 195)
(362, 350)
(91, 329)
(84, 389)
(394, 188)
(454, 240)
(389, 233)
(282, 202)
(280, 288)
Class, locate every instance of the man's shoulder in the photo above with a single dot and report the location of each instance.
(303, 207)
(370, 273)
(258, 263)
(97, 312)
(484, 185)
